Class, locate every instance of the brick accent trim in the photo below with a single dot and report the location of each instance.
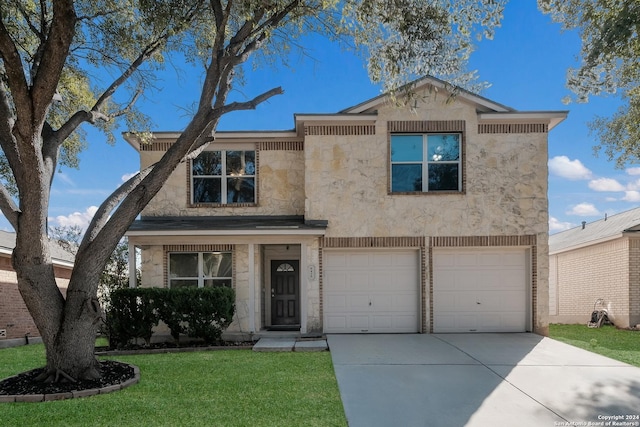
(227, 205)
(466, 241)
(424, 126)
(198, 248)
(166, 249)
(372, 242)
(342, 130)
(281, 146)
(493, 128)
(156, 146)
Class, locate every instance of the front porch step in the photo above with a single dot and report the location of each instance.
(290, 344)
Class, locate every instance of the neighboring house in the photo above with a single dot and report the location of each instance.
(596, 260)
(379, 218)
(15, 321)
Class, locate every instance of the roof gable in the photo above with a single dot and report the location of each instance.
(610, 227)
(429, 83)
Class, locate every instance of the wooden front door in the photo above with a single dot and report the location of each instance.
(285, 293)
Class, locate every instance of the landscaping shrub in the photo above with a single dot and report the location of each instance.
(197, 312)
(131, 314)
(209, 313)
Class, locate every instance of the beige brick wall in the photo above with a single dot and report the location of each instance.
(586, 274)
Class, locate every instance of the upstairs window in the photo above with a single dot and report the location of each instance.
(426, 163)
(200, 269)
(224, 177)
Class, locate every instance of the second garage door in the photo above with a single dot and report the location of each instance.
(371, 291)
(480, 290)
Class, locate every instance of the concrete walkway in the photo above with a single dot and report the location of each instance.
(480, 380)
(290, 344)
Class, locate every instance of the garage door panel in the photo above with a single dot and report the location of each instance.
(381, 282)
(357, 260)
(381, 260)
(336, 259)
(382, 286)
(480, 290)
(335, 281)
(335, 303)
(382, 322)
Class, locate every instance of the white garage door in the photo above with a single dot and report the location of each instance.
(480, 290)
(371, 291)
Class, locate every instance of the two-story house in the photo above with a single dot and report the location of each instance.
(380, 219)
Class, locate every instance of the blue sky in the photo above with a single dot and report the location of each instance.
(526, 65)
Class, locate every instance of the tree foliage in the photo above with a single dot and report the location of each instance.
(65, 64)
(609, 64)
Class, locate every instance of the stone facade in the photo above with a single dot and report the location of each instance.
(336, 168)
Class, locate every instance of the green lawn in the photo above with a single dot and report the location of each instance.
(615, 343)
(215, 388)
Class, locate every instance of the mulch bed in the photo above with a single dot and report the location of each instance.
(113, 373)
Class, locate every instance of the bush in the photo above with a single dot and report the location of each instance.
(197, 312)
(131, 314)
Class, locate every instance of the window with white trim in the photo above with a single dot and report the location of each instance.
(200, 269)
(224, 177)
(426, 162)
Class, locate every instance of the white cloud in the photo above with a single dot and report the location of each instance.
(631, 196)
(584, 209)
(610, 199)
(634, 185)
(80, 219)
(633, 171)
(573, 170)
(65, 178)
(128, 176)
(556, 225)
(605, 184)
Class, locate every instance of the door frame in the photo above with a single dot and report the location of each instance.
(280, 252)
(296, 294)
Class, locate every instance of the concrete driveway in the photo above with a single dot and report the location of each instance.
(480, 380)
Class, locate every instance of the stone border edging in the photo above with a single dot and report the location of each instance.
(73, 394)
(170, 350)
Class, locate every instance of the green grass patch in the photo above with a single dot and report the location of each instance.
(214, 388)
(619, 344)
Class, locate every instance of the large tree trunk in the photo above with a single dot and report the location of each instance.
(68, 327)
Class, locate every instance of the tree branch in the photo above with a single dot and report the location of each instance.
(54, 56)
(32, 27)
(95, 113)
(14, 71)
(6, 114)
(247, 105)
(7, 140)
(9, 207)
(102, 214)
